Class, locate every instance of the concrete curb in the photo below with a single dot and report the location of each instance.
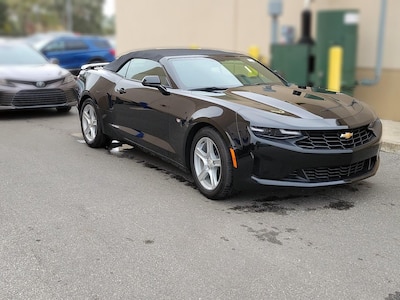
(391, 136)
(390, 147)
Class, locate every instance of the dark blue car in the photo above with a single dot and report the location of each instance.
(73, 51)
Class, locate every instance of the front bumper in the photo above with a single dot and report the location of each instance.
(303, 170)
(283, 164)
(38, 98)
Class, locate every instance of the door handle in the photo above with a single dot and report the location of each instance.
(121, 91)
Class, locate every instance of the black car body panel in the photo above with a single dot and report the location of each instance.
(281, 134)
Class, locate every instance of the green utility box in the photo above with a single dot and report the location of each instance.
(336, 28)
(308, 63)
(291, 62)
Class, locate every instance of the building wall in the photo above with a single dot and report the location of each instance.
(240, 24)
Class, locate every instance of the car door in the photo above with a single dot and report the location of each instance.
(140, 113)
(71, 53)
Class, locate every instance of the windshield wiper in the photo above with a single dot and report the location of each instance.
(210, 89)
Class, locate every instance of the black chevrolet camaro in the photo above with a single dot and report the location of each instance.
(228, 120)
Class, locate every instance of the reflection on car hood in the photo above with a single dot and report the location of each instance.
(32, 72)
(300, 107)
(296, 102)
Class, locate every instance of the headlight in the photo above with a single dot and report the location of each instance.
(68, 79)
(274, 133)
(5, 82)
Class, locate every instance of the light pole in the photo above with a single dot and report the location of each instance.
(68, 9)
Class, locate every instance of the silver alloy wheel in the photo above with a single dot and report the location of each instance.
(89, 123)
(207, 163)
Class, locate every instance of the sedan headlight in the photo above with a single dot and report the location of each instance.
(274, 133)
(68, 79)
(5, 82)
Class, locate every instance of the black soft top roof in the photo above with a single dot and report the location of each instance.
(157, 54)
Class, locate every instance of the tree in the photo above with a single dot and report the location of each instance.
(3, 16)
(30, 16)
(87, 15)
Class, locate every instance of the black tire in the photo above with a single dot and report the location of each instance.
(211, 164)
(91, 125)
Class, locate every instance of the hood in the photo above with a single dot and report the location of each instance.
(305, 103)
(44, 72)
(295, 105)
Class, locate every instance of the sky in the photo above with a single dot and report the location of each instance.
(109, 7)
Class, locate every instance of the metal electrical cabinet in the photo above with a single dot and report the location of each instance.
(336, 28)
(307, 63)
(291, 62)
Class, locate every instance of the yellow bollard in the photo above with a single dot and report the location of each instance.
(335, 61)
(254, 52)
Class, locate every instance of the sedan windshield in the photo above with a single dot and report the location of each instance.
(20, 54)
(218, 73)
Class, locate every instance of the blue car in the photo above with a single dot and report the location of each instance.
(72, 51)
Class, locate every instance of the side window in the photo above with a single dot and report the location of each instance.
(124, 69)
(104, 44)
(55, 46)
(138, 68)
(75, 45)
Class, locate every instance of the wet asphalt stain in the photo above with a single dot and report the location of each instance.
(265, 235)
(262, 207)
(283, 204)
(149, 242)
(340, 205)
(268, 204)
(395, 296)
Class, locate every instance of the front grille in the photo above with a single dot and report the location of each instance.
(42, 97)
(6, 98)
(326, 174)
(331, 140)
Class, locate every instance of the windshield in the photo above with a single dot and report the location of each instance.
(20, 54)
(207, 73)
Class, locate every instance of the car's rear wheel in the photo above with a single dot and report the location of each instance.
(91, 125)
(211, 164)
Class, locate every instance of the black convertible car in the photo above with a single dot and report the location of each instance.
(228, 120)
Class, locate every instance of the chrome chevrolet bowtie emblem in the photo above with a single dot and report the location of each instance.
(347, 135)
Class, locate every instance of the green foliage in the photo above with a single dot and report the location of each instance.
(3, 17)
(30, 16)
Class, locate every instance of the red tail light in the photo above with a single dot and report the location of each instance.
(112, 52)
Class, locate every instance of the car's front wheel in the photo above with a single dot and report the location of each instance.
(91, 125)
(211, 164)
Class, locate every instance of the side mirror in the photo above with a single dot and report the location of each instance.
(154, 81)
